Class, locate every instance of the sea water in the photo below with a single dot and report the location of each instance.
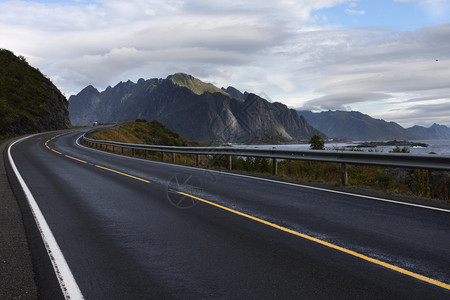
(435, 147)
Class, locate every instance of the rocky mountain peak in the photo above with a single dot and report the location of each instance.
(235, 93)
(197, 86)
(89, 90)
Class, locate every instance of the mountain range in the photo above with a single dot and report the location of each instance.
(355, 126)
(202, 112)
(196, 110)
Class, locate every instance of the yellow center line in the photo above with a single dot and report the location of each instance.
(56, 151)
(71, 157)
(75, 159)
(356, 254)
(134, 177)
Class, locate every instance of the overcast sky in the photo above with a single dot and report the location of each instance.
(386, 58)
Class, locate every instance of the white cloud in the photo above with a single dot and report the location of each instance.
(342, 101)
(355, 12)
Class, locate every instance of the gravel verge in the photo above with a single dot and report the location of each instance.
(16, 269)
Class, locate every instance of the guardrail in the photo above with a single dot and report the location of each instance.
(428, 162)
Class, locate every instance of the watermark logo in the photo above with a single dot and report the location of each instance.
(185, 183)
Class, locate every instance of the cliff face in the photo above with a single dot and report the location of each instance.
(196, 110)
(29, 102)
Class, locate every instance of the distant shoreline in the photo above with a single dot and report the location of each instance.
(391, 143)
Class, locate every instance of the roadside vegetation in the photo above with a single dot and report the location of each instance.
(394, 181)
(151, 133)
(397, 149)
(317, 142)
(143, 132)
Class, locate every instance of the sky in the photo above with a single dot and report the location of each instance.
(386, 58)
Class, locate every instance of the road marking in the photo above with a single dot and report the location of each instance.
(104, 168)
(68, 156)
(316, 240)
(131, 176)
(67, 283)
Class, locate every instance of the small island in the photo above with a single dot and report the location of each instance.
(391, 143)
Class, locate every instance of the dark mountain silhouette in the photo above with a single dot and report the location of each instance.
(435, 132)
(356, 126)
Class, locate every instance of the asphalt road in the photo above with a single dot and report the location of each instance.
(135, 229)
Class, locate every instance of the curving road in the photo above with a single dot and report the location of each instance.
(134, 229)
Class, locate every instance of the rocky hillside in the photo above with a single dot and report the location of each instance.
(196, 110)
(29, 102)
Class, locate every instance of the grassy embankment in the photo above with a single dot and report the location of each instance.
(372, 177)
(143, 132)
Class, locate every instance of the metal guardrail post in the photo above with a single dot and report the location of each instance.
(344, 174)
(274, 166)
(173, 157)
(197, 160)
(162, 156)
(229, 165)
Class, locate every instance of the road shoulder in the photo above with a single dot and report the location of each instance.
(17, 280)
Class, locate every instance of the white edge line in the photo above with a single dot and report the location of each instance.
(280, 182)
(67, 282)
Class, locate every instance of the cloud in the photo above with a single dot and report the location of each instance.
(101, 69)
(341, 101)
(424, 114)
(430, 98)
(355, 12)
(272, 47)
(376, 59)
(99, 35)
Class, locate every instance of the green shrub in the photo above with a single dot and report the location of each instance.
(397, 149)
(317, 143)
